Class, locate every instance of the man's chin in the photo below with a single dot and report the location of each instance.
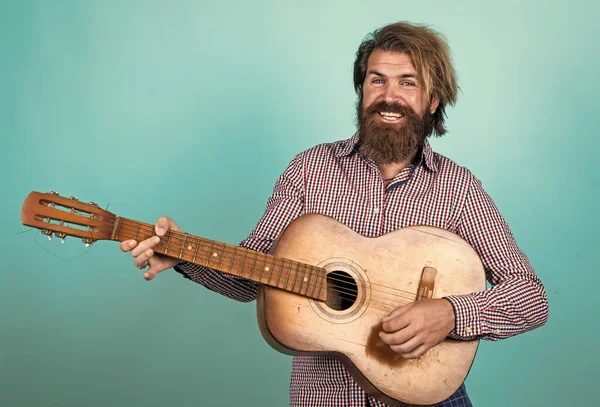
(388, 127)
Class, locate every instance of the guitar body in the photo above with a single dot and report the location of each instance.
(370, 277)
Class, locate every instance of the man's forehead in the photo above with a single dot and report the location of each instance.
(390, 60)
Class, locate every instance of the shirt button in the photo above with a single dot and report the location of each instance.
(468, 330)
(375, 210)
(497, 332)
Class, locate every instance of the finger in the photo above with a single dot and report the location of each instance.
(142, 259)
(127, 245)
(409, 346)
(153, 270)
(417, 353)
(145, 245)
(398, 321)
(398, 337)
(397, 312)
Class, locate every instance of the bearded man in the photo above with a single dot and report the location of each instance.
(383, 178)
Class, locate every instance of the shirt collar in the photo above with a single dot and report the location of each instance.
(349, 146)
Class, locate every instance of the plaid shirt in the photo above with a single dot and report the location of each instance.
(334, 179)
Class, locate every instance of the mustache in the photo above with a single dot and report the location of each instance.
(392, 108)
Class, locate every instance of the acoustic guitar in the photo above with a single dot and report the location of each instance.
(323, 288)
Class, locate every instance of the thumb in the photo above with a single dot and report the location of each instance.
(164, 224)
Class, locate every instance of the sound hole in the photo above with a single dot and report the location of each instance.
(341, 290)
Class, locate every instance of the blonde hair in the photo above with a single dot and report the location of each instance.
(430, 55)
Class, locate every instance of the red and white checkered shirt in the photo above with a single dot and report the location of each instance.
(334, 179)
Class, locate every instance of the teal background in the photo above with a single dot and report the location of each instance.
(192, 109)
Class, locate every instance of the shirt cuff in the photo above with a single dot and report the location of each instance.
(188, 270)
(467, 317)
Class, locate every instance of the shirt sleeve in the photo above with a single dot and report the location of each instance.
(285, 204)
(516, 301)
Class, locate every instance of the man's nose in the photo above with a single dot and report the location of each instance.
(392, 95)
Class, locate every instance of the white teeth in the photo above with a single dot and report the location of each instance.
(390, 115)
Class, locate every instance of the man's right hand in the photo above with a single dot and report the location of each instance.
(144, 254)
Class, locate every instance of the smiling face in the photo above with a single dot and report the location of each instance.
(395, 113)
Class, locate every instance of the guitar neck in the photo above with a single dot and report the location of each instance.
(296, 277)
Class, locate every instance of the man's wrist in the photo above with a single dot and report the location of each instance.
(451, 314)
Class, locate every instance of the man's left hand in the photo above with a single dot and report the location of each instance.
(413, 329)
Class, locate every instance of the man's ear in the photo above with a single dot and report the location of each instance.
(435, 102)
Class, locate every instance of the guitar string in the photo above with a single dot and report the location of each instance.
(232, 249)
(344, 293)
(177, 237)
(181, 236)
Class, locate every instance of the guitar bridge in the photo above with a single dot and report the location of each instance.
(427, 283)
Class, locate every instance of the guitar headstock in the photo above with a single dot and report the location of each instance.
(51, 212)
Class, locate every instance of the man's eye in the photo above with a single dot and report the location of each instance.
(377, 81)
(407, 83)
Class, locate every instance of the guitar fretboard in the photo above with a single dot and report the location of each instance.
(289, 275)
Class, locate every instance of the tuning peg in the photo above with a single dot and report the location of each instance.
(53, 193)
(94, 204)
(48, 233)
(60, 235)
(88, 241)
(74, 198)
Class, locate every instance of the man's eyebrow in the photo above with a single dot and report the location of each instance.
(373, 72)
(403, 76)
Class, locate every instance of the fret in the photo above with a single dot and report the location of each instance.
(232, 259)
(220, 256)
(294, 273)
(183, 245)
(196, 251)
(302, 278)
(263, 268)
(168, 241)
(253, 265)
(321, 279)
(307, 278)
(280, 273)
(308, 281)
(297, 277)
(272, 271)
(300, 275)
(244, 263)
(209, 253)
(287, 277)
(137, 230)
(312, 293)
(261, 260)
